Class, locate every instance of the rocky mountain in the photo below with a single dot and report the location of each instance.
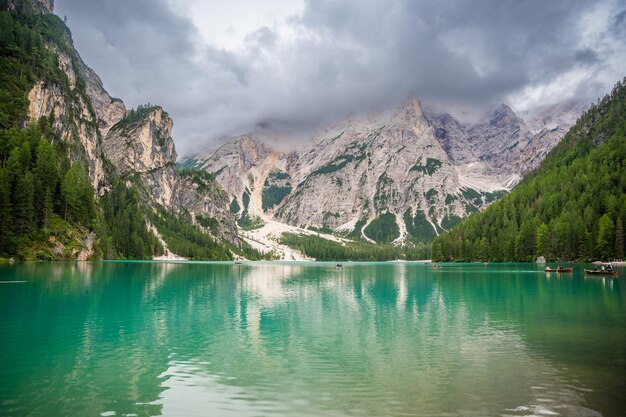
(573, 207)
(404, 175)
(88, 127)
(501, 147)
(140, 146)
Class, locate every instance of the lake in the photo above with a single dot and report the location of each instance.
(309, 339)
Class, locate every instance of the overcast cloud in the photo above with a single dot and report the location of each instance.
(222, 70)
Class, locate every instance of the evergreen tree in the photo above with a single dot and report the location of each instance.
(5, 211)
(542, 241)
(23, 208)
(619, 239)
(77, 195)
(572, 207)
(46, 174)
(606, 238)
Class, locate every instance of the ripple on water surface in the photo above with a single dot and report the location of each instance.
(307, 340)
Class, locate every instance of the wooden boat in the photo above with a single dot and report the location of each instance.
(600, 272)
(548, 269)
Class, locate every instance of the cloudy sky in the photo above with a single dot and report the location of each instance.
(222, 68)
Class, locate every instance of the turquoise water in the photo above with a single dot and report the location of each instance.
(309, 339)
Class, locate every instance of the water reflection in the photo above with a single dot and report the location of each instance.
(302, 339)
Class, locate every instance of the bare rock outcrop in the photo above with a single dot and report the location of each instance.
(422, 169)
(37, 6)
(140, 145)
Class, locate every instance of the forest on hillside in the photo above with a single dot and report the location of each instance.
(48, 206)
(573, 207)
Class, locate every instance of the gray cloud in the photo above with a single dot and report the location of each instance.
(345, 57)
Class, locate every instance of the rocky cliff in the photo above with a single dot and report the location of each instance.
(141, 148)
(36, 6)
(502, 147)
(402, 175)
(69, 101)
(112, 141)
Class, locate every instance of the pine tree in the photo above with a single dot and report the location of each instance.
(619, 239)
(606, 238)
(46, 174)
(23, 208)
(5, 210)
(78, 200)
(543, 241)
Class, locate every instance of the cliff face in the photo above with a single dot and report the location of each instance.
(386, 165)
(141, 147)
(75, 119)
(502, 147)
(99, 131)
(36, 6)
(242, 166)
(420, 170)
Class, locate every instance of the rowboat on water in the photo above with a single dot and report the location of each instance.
(558, 269)
(600, 272)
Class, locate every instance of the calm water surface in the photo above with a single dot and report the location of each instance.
(272, 339)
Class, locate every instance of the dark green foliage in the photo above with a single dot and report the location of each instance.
(326, 250)
(5, 211)
(46, 181)
(31, 192)
(47, 203)
(496, 195)
(431, 194)
(24, 60)
(325, 230)
(384, 192)
(208, 222)
(246, 222)
(133, 116)
(246, 199)
(448, 222)
(203, 179)
(356, 232)
(431, 166)
(78, 204)
(23, 206)
(234, 206)
(278, 175)
(338, 163)
(184, 239)
(125, 222)
(189, 163)
(273, 196)
(470, 208)
(572, 207)
(248, 252)
(472, 196)
(418, 227)
(383, 229)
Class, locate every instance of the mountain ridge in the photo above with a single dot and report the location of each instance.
(303, 186)
(572, 207)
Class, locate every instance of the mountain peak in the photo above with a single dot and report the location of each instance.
(503, 115)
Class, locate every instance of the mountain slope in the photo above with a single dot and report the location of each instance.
(66, 191)
(572, 207)
(399, 176)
